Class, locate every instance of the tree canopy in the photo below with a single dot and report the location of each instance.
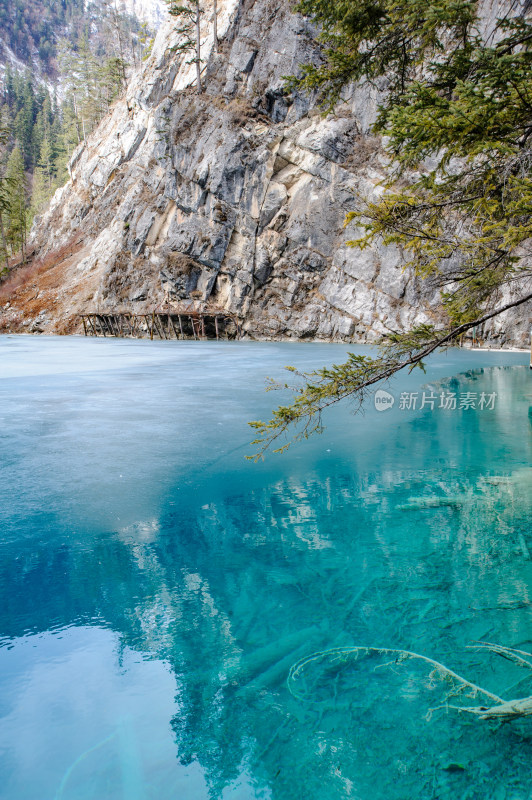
(457, 200)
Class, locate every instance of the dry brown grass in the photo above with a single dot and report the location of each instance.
(36, 287)
(366, 152)
(23, 277)
(242, 112)
(181, 264)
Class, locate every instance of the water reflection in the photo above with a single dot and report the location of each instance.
(189, 619)
(230, 612)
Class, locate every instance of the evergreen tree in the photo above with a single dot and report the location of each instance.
(16, 211)
(145, 42)
(71, 127)
(189, 14)
(118, 39)
(4, 200)
(458, 202)
(40, 194)
(112, 79)
(46, 162)
(93, 64)
(9, 89)
(86, 86)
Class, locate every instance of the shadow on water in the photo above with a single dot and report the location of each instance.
(411, 532)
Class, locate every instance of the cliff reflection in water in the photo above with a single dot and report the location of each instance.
(418, 538)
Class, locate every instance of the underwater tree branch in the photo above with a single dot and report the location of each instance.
(502, 710)
(341, 653)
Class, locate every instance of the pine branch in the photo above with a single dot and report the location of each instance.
(327, 386)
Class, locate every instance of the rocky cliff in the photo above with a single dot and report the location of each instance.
(235, 198)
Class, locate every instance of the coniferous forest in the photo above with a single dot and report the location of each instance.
(63, 66)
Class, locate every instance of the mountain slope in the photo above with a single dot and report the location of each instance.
(30, 30)
(235, 198)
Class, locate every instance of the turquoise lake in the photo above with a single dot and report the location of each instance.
(156, 587)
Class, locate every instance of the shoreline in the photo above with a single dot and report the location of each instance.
(483, 349)
(497, 349)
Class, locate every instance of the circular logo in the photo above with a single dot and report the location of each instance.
(383, 400)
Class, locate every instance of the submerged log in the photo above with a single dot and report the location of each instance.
(264, 658)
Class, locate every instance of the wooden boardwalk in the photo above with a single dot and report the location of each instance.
(163, 325)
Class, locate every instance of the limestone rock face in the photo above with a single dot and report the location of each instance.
(234, 198)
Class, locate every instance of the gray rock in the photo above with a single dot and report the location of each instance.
(238, 196)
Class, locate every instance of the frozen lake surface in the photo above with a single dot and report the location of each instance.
(156, 587)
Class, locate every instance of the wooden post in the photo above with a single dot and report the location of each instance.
(171, 318)
(93, 326)
(164, 325)
(159, 326)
